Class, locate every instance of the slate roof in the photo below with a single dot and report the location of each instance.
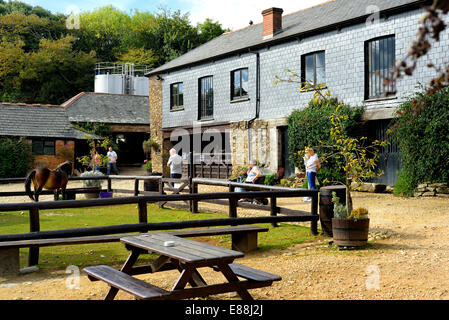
(32, 120)
(298, 24)
(108, 108)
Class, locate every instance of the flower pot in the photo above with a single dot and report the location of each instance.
(350, 233)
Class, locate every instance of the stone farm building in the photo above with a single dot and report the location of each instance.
(127, 116)
(227, 83)
(47, 128)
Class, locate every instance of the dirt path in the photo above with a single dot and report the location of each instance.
(408, 258)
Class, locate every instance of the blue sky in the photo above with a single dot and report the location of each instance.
(233, 14)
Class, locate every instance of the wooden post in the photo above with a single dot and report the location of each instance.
(143, 212)
(33, 254)
(109, 184)
(161, 190)
(193, 203)
(314, 211)
(274, 210)
(232, 207)
(136, 187)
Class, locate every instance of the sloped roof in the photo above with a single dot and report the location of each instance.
(108, 108)
(33, 120)
(298, 24)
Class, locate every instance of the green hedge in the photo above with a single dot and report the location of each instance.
(311, 125)
(422, 132)
(15, 157)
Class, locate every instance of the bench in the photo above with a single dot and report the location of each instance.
(140, 289)
(244, 239)
(252, 274)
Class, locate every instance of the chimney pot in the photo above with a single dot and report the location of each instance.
(272, 22)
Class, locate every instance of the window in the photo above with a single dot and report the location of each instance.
(176, 95)
(313, 68)
(239, 84)
(380, 56)
(43, 147)
(206, 98)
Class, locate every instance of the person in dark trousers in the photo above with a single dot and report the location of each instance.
(112, 155)
(175, 165)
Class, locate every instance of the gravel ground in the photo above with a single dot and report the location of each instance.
(408, 258)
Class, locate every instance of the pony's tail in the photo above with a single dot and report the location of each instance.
(28, 184)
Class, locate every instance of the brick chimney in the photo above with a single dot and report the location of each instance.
(272, 22)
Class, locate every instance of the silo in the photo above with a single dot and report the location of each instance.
(109, 83)
(140, 86)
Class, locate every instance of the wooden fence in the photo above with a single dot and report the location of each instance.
(143, 225)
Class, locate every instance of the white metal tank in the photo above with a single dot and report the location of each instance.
(140, 86)
(109, 83)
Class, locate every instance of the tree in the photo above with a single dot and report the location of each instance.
(353, 155)
(105, 30)
(140, 56)
(55, 72)
(209, 30)
(357, 159)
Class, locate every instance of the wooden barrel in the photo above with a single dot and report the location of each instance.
(327, 206)
(350, 233)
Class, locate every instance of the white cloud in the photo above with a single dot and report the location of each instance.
(236, 14)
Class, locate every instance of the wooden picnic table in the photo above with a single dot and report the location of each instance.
(187, 257)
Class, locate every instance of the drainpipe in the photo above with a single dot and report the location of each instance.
(257, 101)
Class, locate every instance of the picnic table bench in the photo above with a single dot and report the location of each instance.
(244, 239)
(187, 257)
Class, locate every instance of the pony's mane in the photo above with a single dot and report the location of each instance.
(67, 167)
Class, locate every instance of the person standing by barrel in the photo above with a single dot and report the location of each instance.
(313, 165)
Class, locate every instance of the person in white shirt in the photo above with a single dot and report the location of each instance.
(175, 164)
(112, 164)
(313, 165)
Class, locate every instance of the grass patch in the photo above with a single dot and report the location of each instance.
(114, 254)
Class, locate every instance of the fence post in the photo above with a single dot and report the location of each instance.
(232, 207)
(143, 212)
(274, 210)
(193, 190)
(33, 254)
(161, 190)
(136, 188)
(314, 209)
(109, 184)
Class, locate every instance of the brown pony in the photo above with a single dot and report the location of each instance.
(44, 178)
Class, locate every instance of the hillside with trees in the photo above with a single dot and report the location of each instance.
(43, 61)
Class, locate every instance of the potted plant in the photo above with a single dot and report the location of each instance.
(95, 185)
(150, 145)
(148, 166)
(349, 230)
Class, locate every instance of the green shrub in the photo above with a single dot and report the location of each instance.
(270, 179)
(422, 132)
(404, 186)
(307, 127)
(15, 157)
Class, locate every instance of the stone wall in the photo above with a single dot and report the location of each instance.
(156, 134)
(258, 141)
(432, 190)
